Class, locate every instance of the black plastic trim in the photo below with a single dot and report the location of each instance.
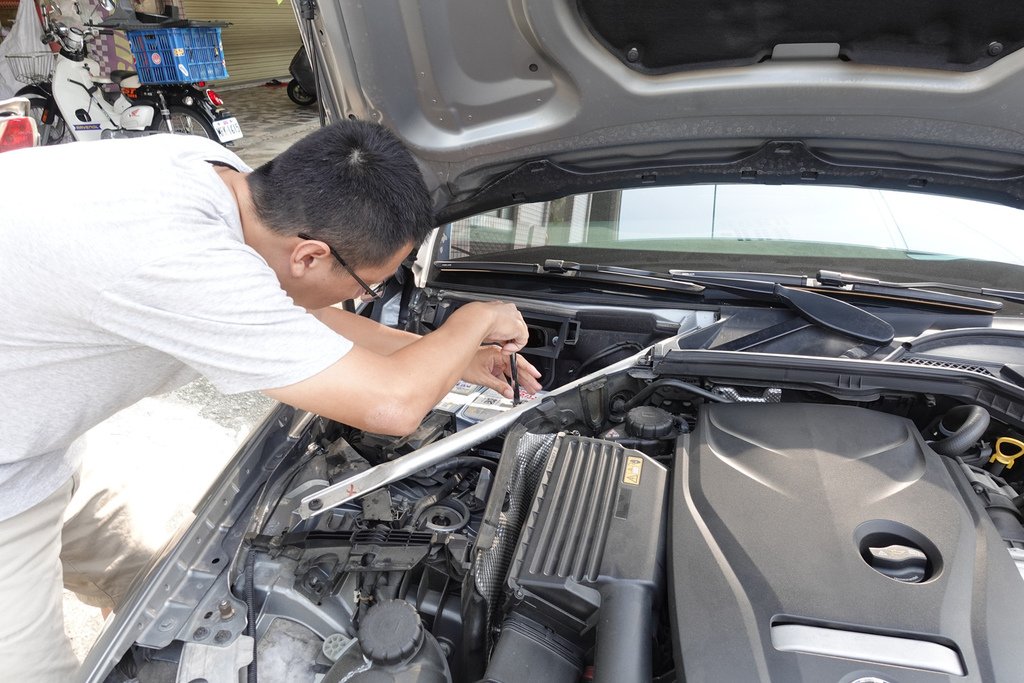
(855, 379)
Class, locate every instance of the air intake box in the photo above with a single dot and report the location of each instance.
(596, 528)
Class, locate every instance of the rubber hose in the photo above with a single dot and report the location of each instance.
(460, 461)
(676, 384)
(250, 608)
(625, 631)
(441, 494)
(973, 422)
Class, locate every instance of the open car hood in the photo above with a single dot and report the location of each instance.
(729, 474)
(519, 101)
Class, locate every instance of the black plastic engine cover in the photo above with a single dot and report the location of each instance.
(774, 508)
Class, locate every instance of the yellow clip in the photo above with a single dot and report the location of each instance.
(1007, 458)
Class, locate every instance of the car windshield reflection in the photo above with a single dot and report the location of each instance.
(745, 219)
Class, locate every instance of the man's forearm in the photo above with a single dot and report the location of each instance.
(365, 332)
(395, 391)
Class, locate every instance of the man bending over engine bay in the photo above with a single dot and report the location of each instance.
(198, 266)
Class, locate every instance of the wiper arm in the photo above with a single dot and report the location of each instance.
(830, 277)
(591, 272)
(753, 283)
(573, 268)
(823, 310)
(826, 311)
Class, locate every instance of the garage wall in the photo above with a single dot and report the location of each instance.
(261, 40)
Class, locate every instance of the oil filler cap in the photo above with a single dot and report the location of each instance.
(391, 632)
(649, 422)
(900, 562)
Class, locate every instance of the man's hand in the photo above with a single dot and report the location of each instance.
(490, 367)
(506, 323)
(390, 392)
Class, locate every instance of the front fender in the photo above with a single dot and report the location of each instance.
(41, 89)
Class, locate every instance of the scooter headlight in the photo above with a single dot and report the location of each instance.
(74, 39)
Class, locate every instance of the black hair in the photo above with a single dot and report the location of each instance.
(352, 184)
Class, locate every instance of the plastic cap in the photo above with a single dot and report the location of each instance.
(391, 632)
(649, 422)
(1007, 451)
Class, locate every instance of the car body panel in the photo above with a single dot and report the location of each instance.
(478, 89)
(510, 105)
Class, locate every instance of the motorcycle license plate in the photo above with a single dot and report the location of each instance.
(227, 129)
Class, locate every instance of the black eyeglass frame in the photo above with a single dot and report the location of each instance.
(373, 292)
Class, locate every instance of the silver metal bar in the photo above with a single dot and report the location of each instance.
(437, 452)
(299, 423)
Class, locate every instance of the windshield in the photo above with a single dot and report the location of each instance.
(757, 228)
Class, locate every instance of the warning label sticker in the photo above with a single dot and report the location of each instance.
(634, 466)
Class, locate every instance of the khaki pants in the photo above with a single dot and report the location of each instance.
(82, 536)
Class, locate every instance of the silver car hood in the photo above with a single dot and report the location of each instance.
(524, 100)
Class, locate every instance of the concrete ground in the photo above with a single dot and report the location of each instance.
(269, 120)
(173, 446)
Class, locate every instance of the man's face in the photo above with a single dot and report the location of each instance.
(319, 280)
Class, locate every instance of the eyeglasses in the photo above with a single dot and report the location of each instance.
(372, 292)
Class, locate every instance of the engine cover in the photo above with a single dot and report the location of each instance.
(829, 543)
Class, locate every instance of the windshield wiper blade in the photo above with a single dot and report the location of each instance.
(562, 267)
(831, 277)
(761, 282)
(824, 310)
(591, 272)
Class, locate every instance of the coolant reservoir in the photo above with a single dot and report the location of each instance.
(393, 647)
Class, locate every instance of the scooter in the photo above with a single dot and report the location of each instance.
(188, 108)
(72, 106)
(302, 87)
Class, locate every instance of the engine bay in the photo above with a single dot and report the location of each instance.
(659, 513)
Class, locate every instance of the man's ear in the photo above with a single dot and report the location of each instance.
(308, 255)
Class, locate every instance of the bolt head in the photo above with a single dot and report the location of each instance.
(200, 633)
(316, 504)
(632, 55)
(994, 48)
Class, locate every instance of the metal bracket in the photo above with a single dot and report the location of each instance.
(214, 664)
(437, 452)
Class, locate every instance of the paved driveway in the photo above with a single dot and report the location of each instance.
(269, 120)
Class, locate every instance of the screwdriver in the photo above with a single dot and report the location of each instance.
(515, 379)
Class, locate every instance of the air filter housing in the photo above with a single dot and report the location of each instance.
(597, 519)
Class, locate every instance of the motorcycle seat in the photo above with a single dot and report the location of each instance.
(119, 75)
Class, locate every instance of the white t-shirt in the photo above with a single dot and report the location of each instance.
(124, 274)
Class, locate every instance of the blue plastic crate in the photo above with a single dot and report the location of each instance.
(178, 55)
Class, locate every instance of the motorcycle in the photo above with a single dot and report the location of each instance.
(302, 87)
(68, 102)
(189, 109)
